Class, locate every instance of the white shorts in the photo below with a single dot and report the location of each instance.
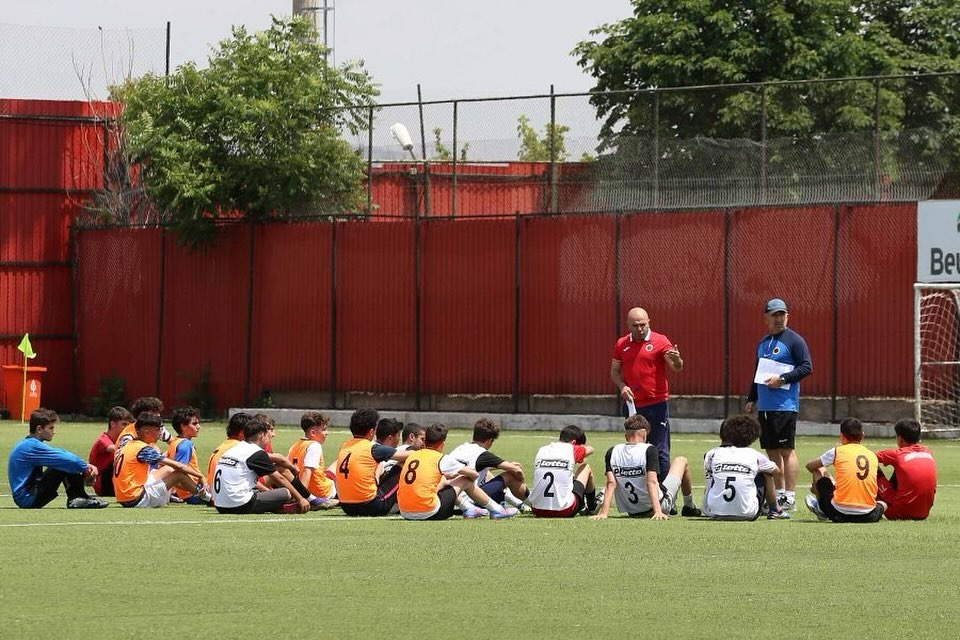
(671, 485)
(155, 494)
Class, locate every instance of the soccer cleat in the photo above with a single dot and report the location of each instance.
(322, 504)
(777, 514)
(673, 511)
(787, 504)
(508, 512)
(691, 512)
(474, 513)
(814, 507)
(203, 494)
(86, 503)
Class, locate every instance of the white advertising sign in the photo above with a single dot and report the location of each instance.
(938, 241)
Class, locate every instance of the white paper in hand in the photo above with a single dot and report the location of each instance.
(631, 408)
(767, 368)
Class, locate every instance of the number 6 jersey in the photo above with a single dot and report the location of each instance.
(731, 474)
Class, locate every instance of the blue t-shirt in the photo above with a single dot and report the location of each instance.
(27, 461)
(787, 347)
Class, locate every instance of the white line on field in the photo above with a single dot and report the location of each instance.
(134, 523)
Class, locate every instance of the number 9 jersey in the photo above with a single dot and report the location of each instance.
(731, 474)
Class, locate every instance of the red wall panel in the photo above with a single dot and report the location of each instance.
(205, 317)
(877, 268)
(566, 304)
(117, 309)
(783, 253)
(35, 227)
(671, 264)
(467, 317)
(375, 307)
(292, 304)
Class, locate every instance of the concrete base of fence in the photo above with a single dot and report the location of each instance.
(878, 415)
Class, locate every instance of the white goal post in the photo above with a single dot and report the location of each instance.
(936, 355)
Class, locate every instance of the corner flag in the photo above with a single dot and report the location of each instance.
(26, 347)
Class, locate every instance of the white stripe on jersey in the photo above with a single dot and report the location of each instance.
(731, 490)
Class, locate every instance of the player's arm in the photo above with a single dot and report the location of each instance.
(588, 450)
(283, 462)
(887, 456)
(672, 356)
(512, 467)
(465, 472)
(401, 456)
(281, 481)
(616, 374)
(608, 490)
(818, 465)
(183, 468)
(653, 490)
(306, 476)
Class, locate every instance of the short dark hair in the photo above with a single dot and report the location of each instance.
(117, 414)
(256, 426)
(573, 433)
(41, 418)
(636, 422)
(312, 419)
(182, 417)
(740, 431)
(236, 424)
(148, 419)
(148, 404)
(908, 429)
(485, 429)
(852, 428)
(363, 420)
(410, 429)
(435, 433)
(388, 427)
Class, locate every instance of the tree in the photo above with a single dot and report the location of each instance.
(440, 151)
(535, 148)
(685, 43)
(257, 133)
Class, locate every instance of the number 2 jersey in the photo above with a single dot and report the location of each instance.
(554, 469)
(731, 474)
(629, 464)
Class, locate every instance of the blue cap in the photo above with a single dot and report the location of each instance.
(775, 305)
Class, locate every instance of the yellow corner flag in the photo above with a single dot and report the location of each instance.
(26, 347)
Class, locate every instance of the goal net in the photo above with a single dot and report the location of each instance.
(936, 353)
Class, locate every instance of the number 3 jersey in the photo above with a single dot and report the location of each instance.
(629, 463)
(731, 474)
(554, 469)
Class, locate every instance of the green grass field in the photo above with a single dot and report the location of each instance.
(187, 571)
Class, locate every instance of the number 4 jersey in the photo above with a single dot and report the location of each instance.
(731, 474)
(554, 469)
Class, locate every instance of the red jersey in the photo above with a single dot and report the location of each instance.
(102, 459)
(644, 366)
(915, 475)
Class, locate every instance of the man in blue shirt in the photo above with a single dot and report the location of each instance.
(783, 360)
(36, 470)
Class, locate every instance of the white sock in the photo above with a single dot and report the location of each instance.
(781, 493)
(511, 499)
(492, 506)
(465, 502)
(791, 495)
(688, 500)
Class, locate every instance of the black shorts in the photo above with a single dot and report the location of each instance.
(379, 506)
(825, 489)
(494, 488)
(448, 499)
(261, 502)
(778, 429)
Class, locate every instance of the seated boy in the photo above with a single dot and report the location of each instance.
(186, 424)
(431, 481)
(912, 486)
(144, 476)
(853, 496)
(235, 485)
(356, 469)
(738, 477)
(509, 485)
(632, 477)
(104, 448)
(307, 455)
(147, 404)
(562, 481)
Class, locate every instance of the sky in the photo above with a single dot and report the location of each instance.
(452, 48)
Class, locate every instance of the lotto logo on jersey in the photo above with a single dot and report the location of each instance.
(629, 472)
(552, 464)
(732, 467)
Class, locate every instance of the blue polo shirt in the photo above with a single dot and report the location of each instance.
(26, 463)
(787, 347)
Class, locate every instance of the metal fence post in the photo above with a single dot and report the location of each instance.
(453, 190)
(763, 143)
(369, 162)
(835, 316)
(333, 314)
(552, 207)
(877, 179)
(251, 277)
(426, 165)
(727, 217)
(162, 292)
(517, 266)
(656, 148)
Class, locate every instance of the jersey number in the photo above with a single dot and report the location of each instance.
(633, 498)
(344, 468)
(411, 475)
(864, 465)
(117, 463)
(548, 476)
(216, 481)
(728, 486)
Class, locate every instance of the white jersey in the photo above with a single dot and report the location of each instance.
(553, 474)
(234, 483)
(386, 465)
(731, 474)
(467, 453)
(629, 464)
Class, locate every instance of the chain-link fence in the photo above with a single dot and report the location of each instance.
(67, 63)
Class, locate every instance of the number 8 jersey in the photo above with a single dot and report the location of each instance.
(731, 474)
(554, 469)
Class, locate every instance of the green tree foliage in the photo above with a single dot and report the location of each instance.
(683, 43)
(440, 151)
(537, 148)
(256, 133)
